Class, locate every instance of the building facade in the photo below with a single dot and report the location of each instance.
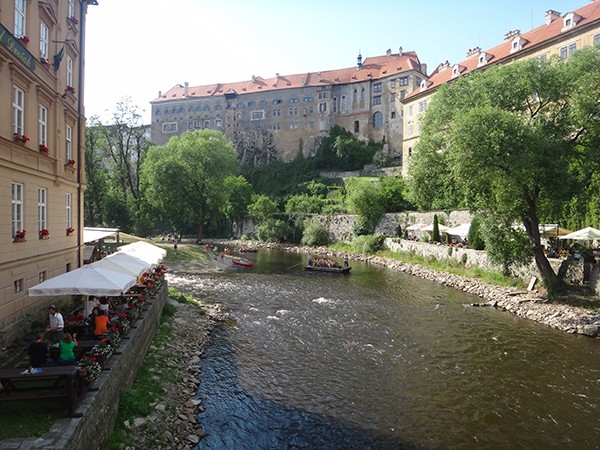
(560, 35)
(285, 116)
(42, 128)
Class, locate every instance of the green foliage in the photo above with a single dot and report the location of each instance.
(239, 196)
(298, 207)
(273, 230)
(474, 237)
(367, 244)
(184, 180)
(262, 208)
(315, 234)
(394, 194)
(340, 150)
(505, 245)
(364, 198)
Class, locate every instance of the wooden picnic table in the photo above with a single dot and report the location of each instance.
(50, 382)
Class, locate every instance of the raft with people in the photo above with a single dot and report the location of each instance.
(327, 265)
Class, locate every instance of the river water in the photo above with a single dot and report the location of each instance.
(382, 360)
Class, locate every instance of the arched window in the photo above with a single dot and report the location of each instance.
(378, 120)
(362, 95)
(355, 96)
(335, 104)
(343, 106)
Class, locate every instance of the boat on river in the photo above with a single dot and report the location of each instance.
(345, 270)
(247, 250)
(242, 262)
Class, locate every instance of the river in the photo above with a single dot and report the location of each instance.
(382, 360)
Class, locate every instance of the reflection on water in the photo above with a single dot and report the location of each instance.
(379, 359)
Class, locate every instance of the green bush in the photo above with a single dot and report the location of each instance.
(367, 244)
(315, 234)
(273, 230)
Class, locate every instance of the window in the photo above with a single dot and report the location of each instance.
(251, 104)
(42, 204)
(409, 152)
(567, 51)
(362, 95)
(276, 112)
(293, 125)
(410, 110)
(258, 115)
(169, 127)
(293, 111)
(294, 100)
(20, 18)
(43, 125)
(263, 102)
(308, 98)
(322, 107)
(393, 83)
(70, 71)
(218, 107)
(377, 100)
(377, 87)
(355, 96)
(18, 285)
(68, 267)
(392, 97)
(207, 124)
(356, 126)
(311, 124)
(71, 11)
(206, 108)
(196, 124)
(240, 105)
(402, 94)
(276, 101)
(18, 110)
(403, 81)
(311, 109)
(410, 130)
(335, 102)
(322, 95)
(43, 40)
(596, 39)
(17, 208)
(219, 123)
(68, 211)
(69, 142)
(190, 125)
(393, 115)
(343, 104)
(378, 120)
(422, 105)
(276, 126)
(42, 276)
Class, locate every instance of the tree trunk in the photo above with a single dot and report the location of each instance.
(200, 233)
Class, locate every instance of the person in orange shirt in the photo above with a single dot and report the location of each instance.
(101, 323)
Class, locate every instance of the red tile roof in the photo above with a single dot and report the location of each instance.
(588, 15)
(372, 69)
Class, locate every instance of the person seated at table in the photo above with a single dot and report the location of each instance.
(38, 352)
(101, 321)
(104, 305)
(66, 349)
(56, 325)
(90, 305)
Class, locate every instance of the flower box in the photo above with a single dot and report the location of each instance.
(44, 234)
(43, 149)
(70, 90)
(70, 231)
(19, 236)
(20, 138)
(72, 20)
(24, 39)
(70, 162)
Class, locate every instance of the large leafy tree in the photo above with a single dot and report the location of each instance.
(517, 140)
(239, 196)
(184, 180)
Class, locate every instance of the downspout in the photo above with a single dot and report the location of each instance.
(80, 158)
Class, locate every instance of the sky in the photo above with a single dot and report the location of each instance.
(136, 48)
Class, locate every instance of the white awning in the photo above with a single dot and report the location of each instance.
(95, 234)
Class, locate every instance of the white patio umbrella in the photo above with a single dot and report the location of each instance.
(416, 227)
(87, 280)
(461, 230)
(125, 263)
(441, 228)
(144, 251)
(585, 234)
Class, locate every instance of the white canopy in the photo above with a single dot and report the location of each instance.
(441, 228)
(87, 280)
(461, 230)
(125, 263)
(93, 234)
(145, 251)
(416, 227)
(586, 234)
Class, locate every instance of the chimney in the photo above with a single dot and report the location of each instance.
(400, 51)
(359, 61)
(159, 94)
(388, 52)
(511, 34)
(319, 76)
(551, 16)
(253, 78)
(277, 75)
(424, 68)
(185, 89)
(474, 51)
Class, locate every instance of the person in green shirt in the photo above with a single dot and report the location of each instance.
(66, 349)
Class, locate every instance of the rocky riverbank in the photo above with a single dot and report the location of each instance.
(531, 305)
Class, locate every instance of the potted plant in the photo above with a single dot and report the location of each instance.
(43, 149)
(72, 20)
(89, 368)
(44, 234)
(19, 236)
(70, 162)
(20, 138)
(24, 39)
(70, 89)
(70, 231)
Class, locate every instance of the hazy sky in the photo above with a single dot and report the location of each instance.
(136, 48)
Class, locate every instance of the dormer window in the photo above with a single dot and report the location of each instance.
(483, 59)
(425, 84)
(517, 44)
(570, 20)
(457, 69)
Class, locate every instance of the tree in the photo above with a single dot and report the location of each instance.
(239, 195)
(393, 194)
(184, 180)
(509, 138)
(364, 198)
(96, 177)
(435, 234)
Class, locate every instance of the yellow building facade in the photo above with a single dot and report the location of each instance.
(560, 35)
(42, 129)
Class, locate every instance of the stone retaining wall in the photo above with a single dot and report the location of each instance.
(100, 406)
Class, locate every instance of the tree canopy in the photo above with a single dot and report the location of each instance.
(184, 180)
(517, 140)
